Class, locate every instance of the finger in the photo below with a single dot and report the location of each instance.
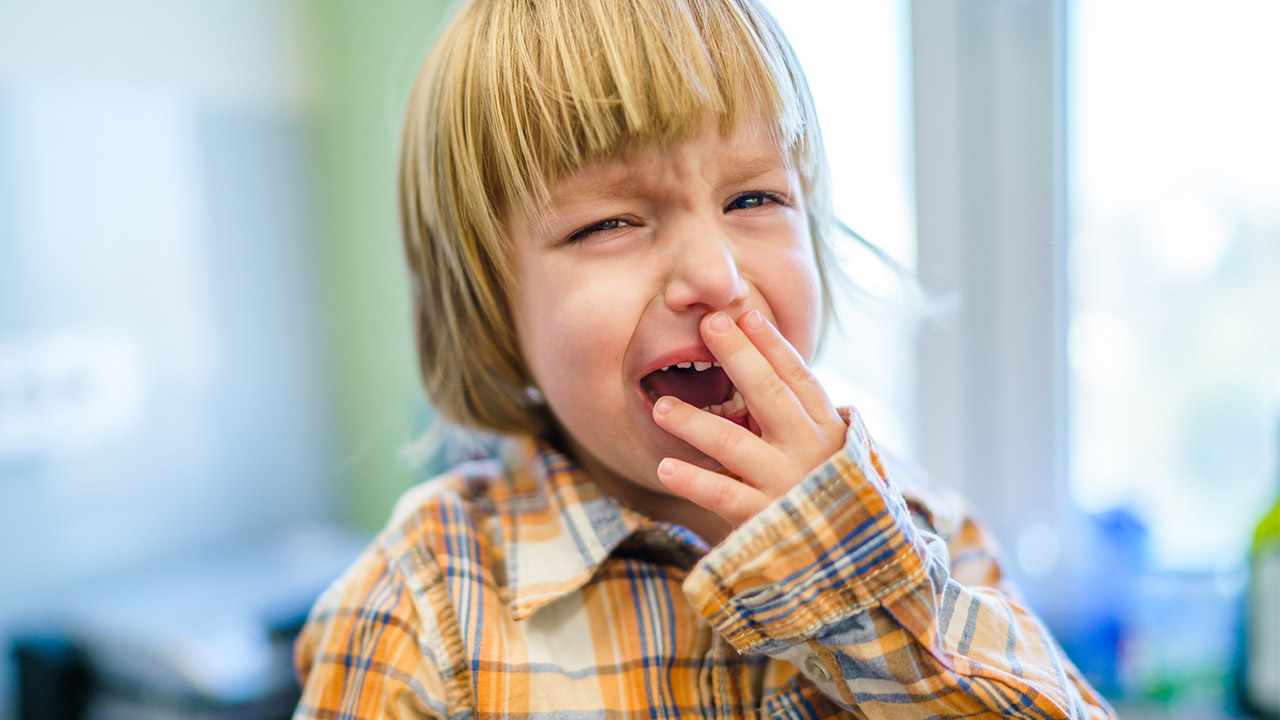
(728, 443)
(789, 366)
(727, 497)
(771, 402)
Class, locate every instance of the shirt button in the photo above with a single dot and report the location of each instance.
(816, 669)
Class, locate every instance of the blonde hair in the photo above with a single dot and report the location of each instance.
(514, 95)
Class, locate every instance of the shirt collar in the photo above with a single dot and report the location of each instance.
(557, 525)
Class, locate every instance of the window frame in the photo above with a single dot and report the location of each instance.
(990, 111)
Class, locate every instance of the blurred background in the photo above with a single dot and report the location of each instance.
(207, 382)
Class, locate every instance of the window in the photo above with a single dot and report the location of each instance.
(1174, 344)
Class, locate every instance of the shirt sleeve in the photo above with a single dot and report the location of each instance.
(837, 579)
(366, 651)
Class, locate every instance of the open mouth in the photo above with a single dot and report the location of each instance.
(703, 385)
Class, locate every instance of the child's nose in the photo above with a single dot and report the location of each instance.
(705, 273)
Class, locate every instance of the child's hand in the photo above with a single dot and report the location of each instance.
(798, 426)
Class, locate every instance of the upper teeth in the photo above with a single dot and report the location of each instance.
(699, 366)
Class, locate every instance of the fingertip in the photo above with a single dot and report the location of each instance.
(669, 476)
(753, 320)
(664, 405)
(666, 469)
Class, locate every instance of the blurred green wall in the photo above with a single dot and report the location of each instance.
(366, 56)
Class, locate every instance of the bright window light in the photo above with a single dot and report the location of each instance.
(1175, 268)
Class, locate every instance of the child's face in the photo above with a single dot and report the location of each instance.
(631, 253)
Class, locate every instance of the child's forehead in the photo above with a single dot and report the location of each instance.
(714, 159)
(745, 149)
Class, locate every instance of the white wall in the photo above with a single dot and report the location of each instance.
(162, 383)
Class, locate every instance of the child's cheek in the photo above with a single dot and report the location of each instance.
(793, 292)
(583, 323)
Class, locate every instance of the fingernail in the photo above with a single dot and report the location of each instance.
(667, 467)
(664, 404)
(719, 322)
(753, 321)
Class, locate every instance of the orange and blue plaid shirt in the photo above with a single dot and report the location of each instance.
(515, 588)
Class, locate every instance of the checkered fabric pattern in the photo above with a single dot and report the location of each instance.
(514, 588)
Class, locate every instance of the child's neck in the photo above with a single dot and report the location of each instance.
(653, 502)
(667, 508)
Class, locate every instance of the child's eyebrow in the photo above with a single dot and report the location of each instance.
(622, 180)
(755, 166)
(600, 188)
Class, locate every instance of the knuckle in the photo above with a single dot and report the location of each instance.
(835, 425)
(804, 381)
(725, 500)
(799, 374)
(835, 436)
(728, 438)
(771, 386)
(722, 495)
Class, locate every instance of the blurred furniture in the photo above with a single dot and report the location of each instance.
(209, 637)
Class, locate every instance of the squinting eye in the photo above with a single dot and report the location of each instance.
(749, 201)
(602, 226)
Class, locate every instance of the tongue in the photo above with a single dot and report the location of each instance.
(699, 389)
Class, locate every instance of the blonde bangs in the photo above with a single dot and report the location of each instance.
(564, 83)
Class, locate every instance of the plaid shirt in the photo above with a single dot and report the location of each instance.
(515, 588)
